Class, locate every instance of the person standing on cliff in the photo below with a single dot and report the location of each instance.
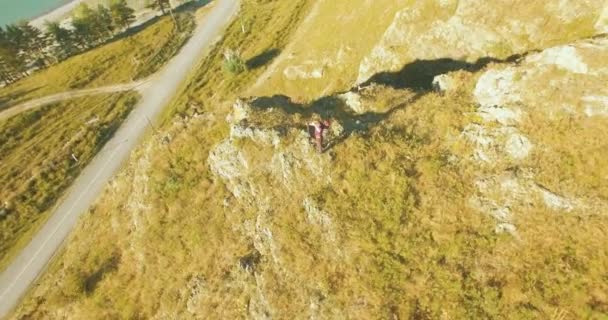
(317, 130)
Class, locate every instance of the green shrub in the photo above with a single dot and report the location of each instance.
(233, 62)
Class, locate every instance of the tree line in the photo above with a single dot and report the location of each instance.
(24, 47)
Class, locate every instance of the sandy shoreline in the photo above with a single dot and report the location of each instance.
(56, 14)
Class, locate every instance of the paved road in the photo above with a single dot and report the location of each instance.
(11, 111)
(24, 270)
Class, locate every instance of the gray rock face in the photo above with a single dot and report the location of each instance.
(267, 137)
(228, 162)
(503, 116)
(240, 111)
(530, 86)
(259, 166)
(494, 144)
(497, 88)
(428, 30)
(566, 58)
(518, 146)
(507, 94)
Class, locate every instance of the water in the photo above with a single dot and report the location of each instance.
(12, 11)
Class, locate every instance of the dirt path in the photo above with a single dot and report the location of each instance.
(11, 111)
(31, 262)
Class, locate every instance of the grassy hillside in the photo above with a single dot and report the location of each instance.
(229, 212)
(49, 135)
(36, 162)
(132, 57)
(385, 35)
(209, 91)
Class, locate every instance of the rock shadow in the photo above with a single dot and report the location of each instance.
(419, 75)
(110, 265)
(263, 58)
(330, 107)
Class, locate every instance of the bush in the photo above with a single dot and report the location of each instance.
(233, 62)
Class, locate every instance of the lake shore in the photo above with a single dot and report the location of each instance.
(55, 14)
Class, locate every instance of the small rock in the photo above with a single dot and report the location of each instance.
(564, 57)
(506, 228)
(596, 105)
(554, 201)
(504, 116)
(303, 72)
(497, 88)
(240, 112)
(353, 101)
(336, 128)
(93, 120)
(518, 146)
(443, 83)
(196, 288)
(314, 214)
(267, 137)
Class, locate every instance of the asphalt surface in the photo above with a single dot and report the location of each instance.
(31, 262)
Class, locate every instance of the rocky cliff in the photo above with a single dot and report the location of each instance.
(464, 175)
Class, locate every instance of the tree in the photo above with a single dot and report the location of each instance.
(92, 27)
(122, 14)
(11, 63)
(29, 42)
(103, 22)
(83, 23)
(35, 43)
(161, 5)
(63, 40)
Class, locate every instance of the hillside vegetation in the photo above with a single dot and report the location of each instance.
(48, 136)
(465, 176)
(42, 152)
(127, 59)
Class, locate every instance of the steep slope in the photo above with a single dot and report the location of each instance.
(385, 35)
(469, 30)
(462, 180)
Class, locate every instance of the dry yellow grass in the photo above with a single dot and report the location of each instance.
(168, 238)
(47, 138)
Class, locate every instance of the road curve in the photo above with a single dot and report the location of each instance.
(11, 111)
(31, 262)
